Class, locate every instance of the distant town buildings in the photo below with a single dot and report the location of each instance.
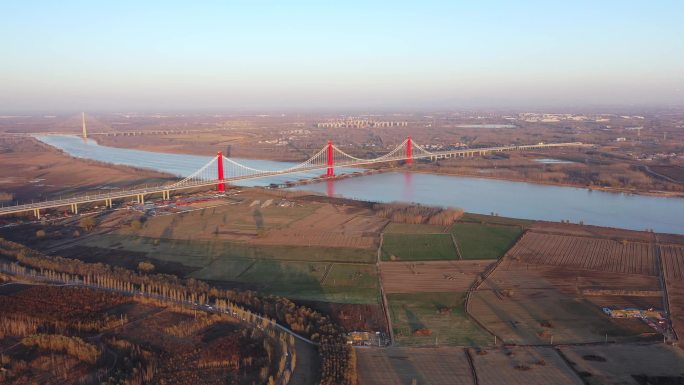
(359, 123)
(534, 117)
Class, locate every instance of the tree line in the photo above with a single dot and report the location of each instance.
(338, 363)
(417, 214)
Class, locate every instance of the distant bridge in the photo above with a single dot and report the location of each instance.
(221, 170)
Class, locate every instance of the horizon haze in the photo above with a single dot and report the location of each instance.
(73, 56)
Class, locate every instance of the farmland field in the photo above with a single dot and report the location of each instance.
(673, 261)
(482, 241)
(303, 249)
(409, 228)
(673, 267)
(522, 366)
(586, 253)
(317, 281)
(297, 272)
(199, 252)
(351, 283)
(418, 247)
(615, 364)
(265, 220)
(430, 276)
(523, 304)
(229, 220)
(433, 318)
(400, 366)
(672, 171)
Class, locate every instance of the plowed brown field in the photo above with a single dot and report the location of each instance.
(586, 253)
(400, 366)
(672, 257)
(523, 366)
(433, 276)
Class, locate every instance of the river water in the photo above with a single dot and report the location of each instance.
(477, 195)
(181, 165)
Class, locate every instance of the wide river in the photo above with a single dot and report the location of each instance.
(484, 196)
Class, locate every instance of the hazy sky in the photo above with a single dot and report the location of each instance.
(266, 55)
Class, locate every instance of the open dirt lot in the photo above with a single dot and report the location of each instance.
(627, 364)
(400, 366)
(522, 366)
(432, 276)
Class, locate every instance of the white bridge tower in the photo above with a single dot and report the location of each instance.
(85, 131)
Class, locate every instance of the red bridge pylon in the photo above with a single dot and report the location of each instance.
(221, 187)
(331, 160)
(409, 150)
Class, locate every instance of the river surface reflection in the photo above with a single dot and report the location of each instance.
(477, 195)
(514, 199)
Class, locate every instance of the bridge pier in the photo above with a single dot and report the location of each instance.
(36, 212)
(74, 208)
(140, 198)
(108, 203)
(166, 195)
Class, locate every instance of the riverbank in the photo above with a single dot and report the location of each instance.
(206, 143)
(32, 169)
(513, 199)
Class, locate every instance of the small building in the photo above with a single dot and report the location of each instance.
(359, 338)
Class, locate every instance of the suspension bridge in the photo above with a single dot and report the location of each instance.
(221, 170)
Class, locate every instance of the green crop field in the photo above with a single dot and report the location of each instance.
(451, 326)
(326, 282)
(481, 241)
(223, 269)
(409, 228)
(316, 281)
(293, 271)
(418, 247)
(352, 276)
